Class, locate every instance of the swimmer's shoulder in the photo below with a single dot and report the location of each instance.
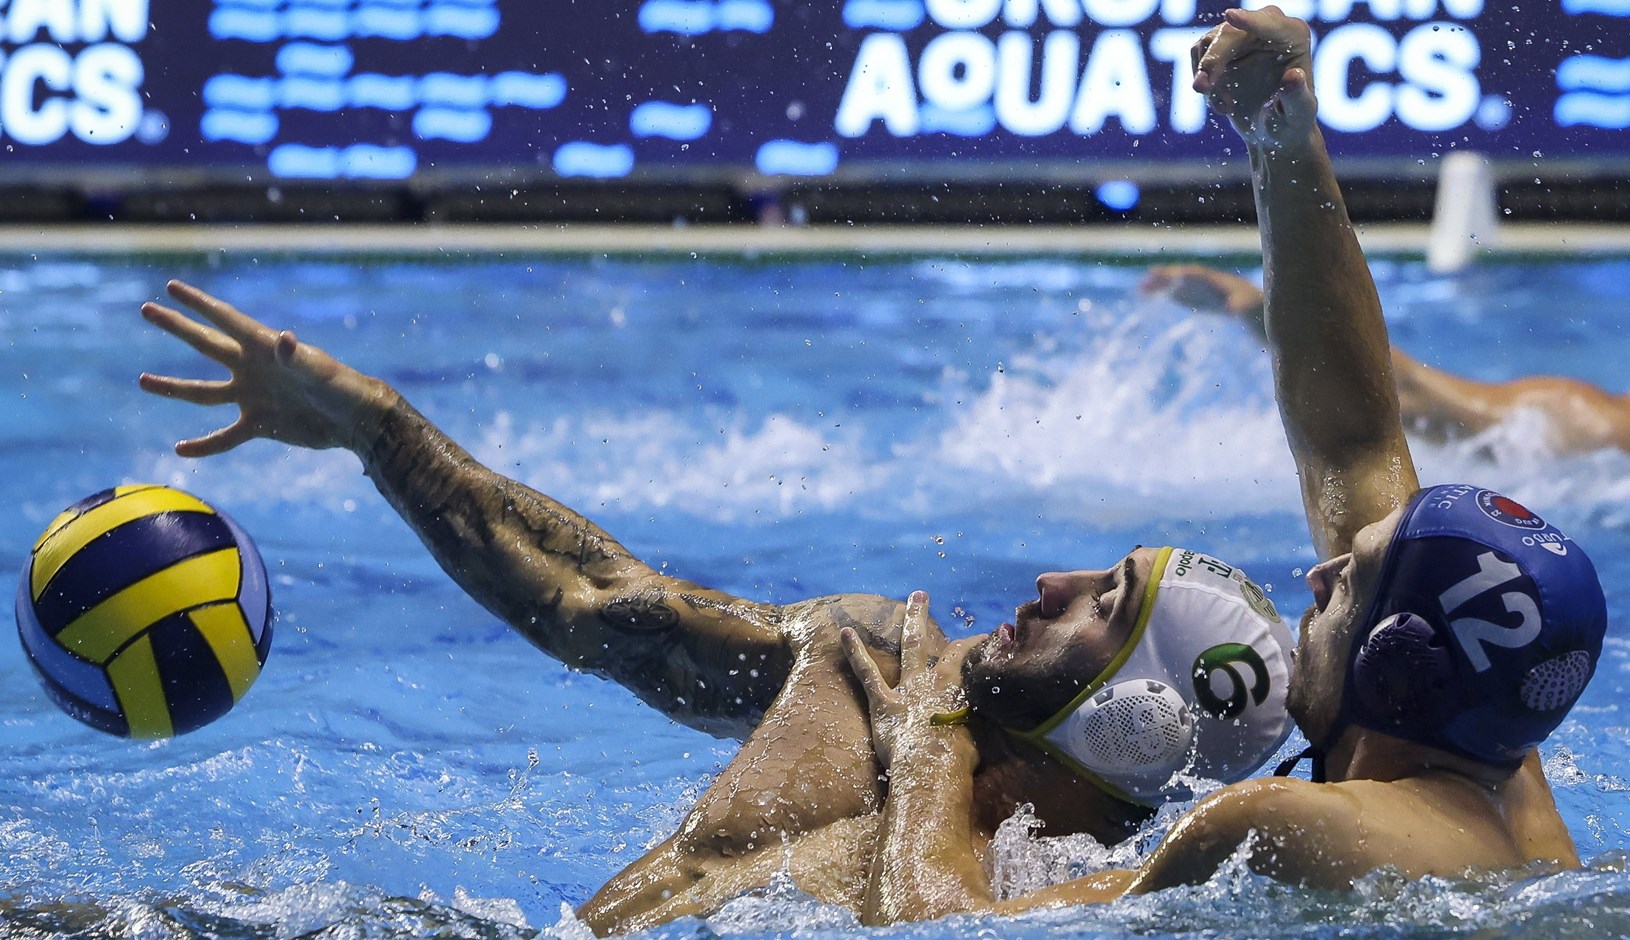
(1329, 835)
(1289, 829)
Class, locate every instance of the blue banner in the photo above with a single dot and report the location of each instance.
(394, 89)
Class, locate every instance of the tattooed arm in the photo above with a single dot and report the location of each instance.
(704, 658)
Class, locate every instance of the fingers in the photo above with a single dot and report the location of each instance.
(194, 391)
(921, 639)
(1254, 21)
(209, 342)
(911, 652)
(1214, 55)
(1296, 93)
(1206, 59)
(871, 679)
(1268, 23)
(228, 318)
(216, 442)
(1242, 34)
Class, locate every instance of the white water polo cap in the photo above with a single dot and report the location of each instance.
(1198, 688)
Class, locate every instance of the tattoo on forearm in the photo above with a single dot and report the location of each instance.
(572, 590)
(640, 615)
(427, 476)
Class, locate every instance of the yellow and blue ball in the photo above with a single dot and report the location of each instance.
(145, 611)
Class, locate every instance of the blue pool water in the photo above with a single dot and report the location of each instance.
(407, 767)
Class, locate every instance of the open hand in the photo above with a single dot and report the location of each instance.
(930, 685)
(1254, 69)
(284, 389)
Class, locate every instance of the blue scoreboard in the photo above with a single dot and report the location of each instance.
(396, 89)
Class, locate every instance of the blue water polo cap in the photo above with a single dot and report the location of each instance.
(1486, 625)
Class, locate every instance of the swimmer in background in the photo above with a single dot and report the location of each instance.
(1438, 405)
(1451, 629)
(1177, 631)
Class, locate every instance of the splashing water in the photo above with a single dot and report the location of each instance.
(408, 767)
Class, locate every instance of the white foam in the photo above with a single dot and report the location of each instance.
(1144, 412)
(1177, 420)
(651, 460)
(1516, 457)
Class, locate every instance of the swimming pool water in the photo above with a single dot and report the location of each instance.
(406, 766)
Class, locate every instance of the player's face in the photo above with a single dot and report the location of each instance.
(1026, 671)
(1343, 589)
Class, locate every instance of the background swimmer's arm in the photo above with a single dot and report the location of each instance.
(1433, 403)
(1332, 368)
(707, 659)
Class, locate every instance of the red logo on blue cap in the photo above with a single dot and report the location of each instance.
(1507, 511)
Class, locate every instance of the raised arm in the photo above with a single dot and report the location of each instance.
(1332, 369)
(704, 658)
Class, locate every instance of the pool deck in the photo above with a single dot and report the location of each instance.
(1131, 240)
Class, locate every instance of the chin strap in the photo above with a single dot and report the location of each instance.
(1289, 764)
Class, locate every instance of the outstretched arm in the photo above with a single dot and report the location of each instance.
(1332, 368)
(705, 658)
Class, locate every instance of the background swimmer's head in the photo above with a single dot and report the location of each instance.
(1463, 621)
(1171, 661)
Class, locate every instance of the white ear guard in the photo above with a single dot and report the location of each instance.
(1138, 727)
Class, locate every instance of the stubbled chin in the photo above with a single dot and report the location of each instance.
(994, 647)
(977, 656)
(1316, 724)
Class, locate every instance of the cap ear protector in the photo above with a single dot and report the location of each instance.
(1401, 670)
(1140, 726)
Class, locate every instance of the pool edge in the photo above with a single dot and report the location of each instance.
(1559, 239)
